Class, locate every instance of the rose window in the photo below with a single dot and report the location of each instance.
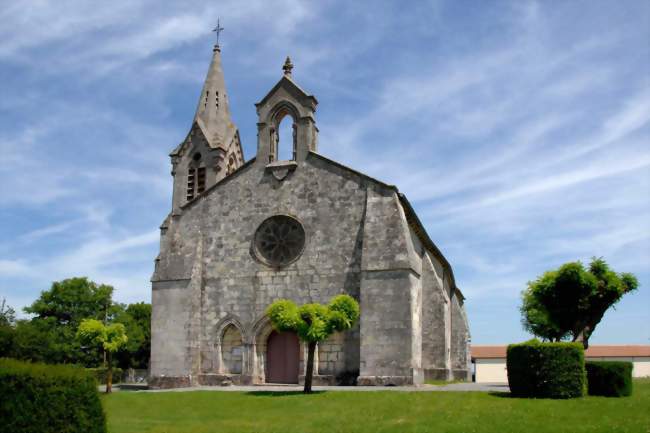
(279, 240)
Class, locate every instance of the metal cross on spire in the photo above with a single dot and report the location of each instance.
(218, 29)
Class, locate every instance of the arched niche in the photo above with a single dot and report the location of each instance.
(230, 339)
(232, 350)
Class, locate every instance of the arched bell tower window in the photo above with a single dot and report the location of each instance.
(283, 136)
(195, 177)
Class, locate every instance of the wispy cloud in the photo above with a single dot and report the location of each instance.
(13, 268)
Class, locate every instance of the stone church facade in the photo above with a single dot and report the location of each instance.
(244, 234)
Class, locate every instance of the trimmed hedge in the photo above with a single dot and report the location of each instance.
(40, 398)
(546, 370)
(609, 378)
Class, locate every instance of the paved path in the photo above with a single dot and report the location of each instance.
(462, 387)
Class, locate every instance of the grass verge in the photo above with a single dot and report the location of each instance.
(265, 412)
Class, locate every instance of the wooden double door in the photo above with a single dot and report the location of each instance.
(282, 357)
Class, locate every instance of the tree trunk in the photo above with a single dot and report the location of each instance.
(311, 348)
(109, 374)
(583, 337)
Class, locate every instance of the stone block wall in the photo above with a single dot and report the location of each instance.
(169, 340)
(436, 321)
(460, 354)
(391, 301)
(386, 333)
(331, 355)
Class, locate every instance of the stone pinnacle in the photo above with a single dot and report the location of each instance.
(288, 66)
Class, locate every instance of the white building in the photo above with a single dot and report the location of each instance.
(489, 362)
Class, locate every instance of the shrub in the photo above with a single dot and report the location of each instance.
(609, 378)
(547, 370)
(39, 398)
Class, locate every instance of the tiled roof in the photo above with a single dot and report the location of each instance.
(632, 350)
(489, 351)
(594, 351)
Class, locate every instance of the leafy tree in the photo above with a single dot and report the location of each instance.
(7, 314)
(569, 302)
(136, 318)
(72, 300)
(33, 341)
(313, 323)
(58, 313)
(23, 339)
(7, 332)
(111, 338)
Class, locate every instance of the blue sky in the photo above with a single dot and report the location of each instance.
(519, 131)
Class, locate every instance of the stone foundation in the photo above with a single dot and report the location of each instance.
(167, 382)
(437, 374)
(319, 380)
(384, 380)
(218, 379)
(461, 374)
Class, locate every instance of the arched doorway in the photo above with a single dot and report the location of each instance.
(282, 357)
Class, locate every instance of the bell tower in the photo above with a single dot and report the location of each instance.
(286, 98)
(212, 149)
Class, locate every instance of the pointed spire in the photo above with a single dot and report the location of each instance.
(213, 112)
(288, 66)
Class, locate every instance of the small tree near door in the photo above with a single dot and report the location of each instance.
(313, 323)
(111, 338)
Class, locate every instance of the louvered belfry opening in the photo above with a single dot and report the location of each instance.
(191, 174)
(200, 180)
(195, 177)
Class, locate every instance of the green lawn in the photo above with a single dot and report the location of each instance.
(205, 411)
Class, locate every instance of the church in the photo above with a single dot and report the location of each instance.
(242, 234)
